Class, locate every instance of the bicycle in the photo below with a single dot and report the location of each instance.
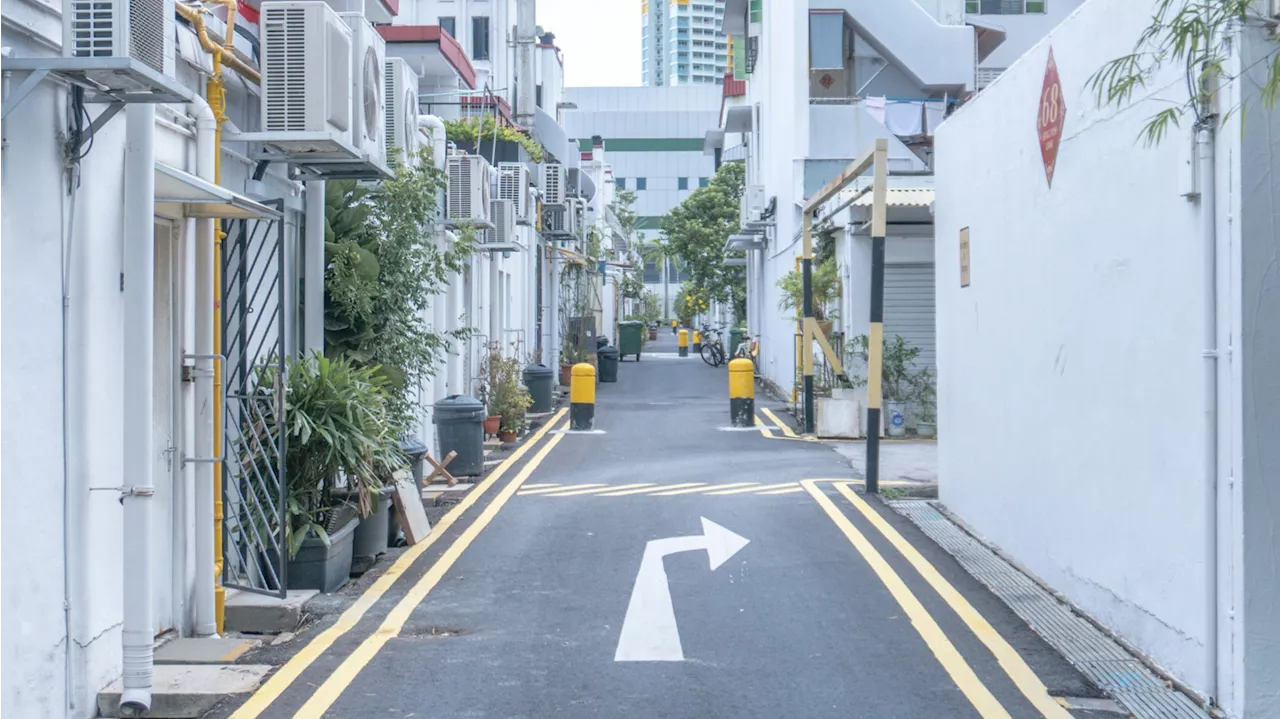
(712, 351)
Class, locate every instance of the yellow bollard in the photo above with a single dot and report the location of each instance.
(582, 398)
(742, 393)
(683, 343)
(697, 342)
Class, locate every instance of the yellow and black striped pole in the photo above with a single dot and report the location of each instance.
(742, 392)
(697, 342)
(582, 398)
(875, 332)
(683, 342)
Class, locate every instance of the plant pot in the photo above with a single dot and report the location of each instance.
(927, 429)
(492, 423)
(507, 436)
(827, 326)
(566, 374)
(324, 568)
(653, 334)
(370, 539)
(895, 418)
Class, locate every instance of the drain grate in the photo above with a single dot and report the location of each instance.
(1096, 655)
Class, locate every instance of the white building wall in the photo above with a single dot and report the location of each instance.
(1070, 371)
(1024, 31)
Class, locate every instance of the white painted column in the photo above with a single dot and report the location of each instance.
(313, 269)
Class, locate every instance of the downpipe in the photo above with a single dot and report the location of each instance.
(139, 367)
(1219, 482)
(206, 623)
(434, 127)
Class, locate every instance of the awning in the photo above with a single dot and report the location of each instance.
(737, 153)
(737, 119)
(989, 37)
(182, 194)
(582, 182)
(574, 257)
(734, 262)
(744, 242)
(900, 197)
(714, 139)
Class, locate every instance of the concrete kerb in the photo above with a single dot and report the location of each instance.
(187, 691)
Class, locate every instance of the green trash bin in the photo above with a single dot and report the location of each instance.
(735, 339)
(630, 338)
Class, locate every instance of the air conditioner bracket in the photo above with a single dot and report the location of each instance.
(104, 79)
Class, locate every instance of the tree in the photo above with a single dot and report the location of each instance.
(382, 268)
(697, 230)
(663, 254)
(1194, 34)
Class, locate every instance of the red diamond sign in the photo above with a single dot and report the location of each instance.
(1053, 111)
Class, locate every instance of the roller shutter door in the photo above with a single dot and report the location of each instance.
(909, 308)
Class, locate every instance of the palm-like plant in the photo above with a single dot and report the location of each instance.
(662, 253)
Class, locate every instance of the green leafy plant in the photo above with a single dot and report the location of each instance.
(826, 291)
(1196, 35)
(479, 129)
(897, 366)
(691, 302)
(503, 393)
(383, 266)
(696, 231)
(924, 392)
(337, 422)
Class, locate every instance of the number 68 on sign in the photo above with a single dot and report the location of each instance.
(1049, 119)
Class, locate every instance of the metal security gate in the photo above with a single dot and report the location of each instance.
(909, 309)
(253, 340)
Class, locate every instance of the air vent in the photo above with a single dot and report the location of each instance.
(141, 30)
(285, 60)
(147, 32)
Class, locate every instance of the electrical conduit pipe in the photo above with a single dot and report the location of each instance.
(206, 623)
(139, 341)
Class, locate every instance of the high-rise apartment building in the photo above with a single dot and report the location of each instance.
(683, 42)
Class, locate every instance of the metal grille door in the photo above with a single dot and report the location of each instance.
(253, 472)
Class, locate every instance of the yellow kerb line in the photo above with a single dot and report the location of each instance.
(292, 669)
(328, 692)
(948, 656)
(777, 422)
(1012, 663)
(662, 487)
(764, 428)
(548, 490)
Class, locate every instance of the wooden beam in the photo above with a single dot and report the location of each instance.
(850, 173)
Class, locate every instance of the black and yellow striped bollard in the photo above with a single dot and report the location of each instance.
(582, 398)
(742, 392)
(697, 342)
(683, 342)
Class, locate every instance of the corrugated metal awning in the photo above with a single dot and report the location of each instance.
(900, 197)
(182, 194)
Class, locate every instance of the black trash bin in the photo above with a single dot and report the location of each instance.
(539, 381)
(459, 422)
(601, 343)
(414, 450)
(608, 364)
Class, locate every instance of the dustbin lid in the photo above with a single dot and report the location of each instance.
(630, 323)
(537, 370)
(458, 408)
(412, 446)
(608, 352)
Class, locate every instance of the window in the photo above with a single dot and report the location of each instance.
(621, 182)
(642, 183)
(448, 25)
(682, 183)
(1005, 7)
(704, 181)
(479, 38)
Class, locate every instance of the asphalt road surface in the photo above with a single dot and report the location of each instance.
(666, 566)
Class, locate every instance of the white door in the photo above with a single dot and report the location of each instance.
(909, 309)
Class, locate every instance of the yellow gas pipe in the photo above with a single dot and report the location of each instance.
(217, 99)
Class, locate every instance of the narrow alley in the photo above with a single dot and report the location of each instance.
(578, 585)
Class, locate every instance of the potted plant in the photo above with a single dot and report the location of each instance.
(897, 377)
(926, 396)
(336, 425)
(493, 421)
(826, 293)
(506, 395)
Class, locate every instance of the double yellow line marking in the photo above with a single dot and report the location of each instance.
(948, 656)
(328, 692)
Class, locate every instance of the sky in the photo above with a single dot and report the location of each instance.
(600, 39)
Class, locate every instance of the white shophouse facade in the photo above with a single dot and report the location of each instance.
(1108, 382)
(74, 336)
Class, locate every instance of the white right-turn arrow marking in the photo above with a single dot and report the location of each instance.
(649, 631)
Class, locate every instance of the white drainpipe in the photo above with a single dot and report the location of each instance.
(206, 623)
(139, 451)
(434, 128)
(313, 272)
